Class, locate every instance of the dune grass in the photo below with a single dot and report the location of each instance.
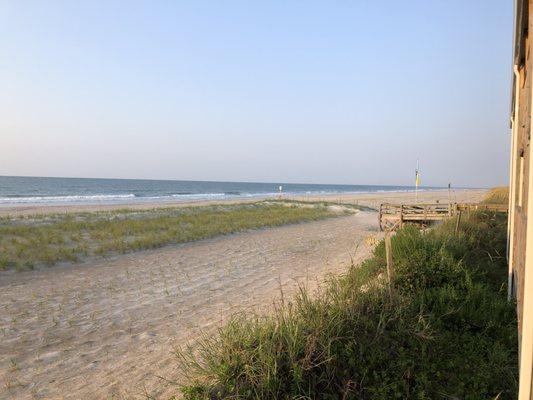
(324, 203)
(497, 195)
(31, 241)
(445, 332)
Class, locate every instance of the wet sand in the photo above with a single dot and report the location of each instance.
(107, 328)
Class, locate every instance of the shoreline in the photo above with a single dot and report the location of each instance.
(370, 199)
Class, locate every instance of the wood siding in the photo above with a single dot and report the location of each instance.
(520, 249)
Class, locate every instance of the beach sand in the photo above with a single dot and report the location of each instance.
(369, 199)
(107, 328)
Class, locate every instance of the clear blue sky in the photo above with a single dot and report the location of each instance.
(294, 91)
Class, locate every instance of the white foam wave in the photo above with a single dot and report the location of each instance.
(198, 196)
(177, 197)
(65, 199)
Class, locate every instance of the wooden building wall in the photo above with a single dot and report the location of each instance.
(520, 249)
(521, 126)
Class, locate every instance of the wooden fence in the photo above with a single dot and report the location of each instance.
(392, 216)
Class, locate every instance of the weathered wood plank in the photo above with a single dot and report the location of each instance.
(390, 214)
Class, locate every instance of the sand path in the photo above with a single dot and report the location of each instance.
(107, 328)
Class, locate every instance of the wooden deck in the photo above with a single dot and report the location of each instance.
(393, 216)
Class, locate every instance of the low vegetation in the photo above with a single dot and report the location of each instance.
(48, 239)
(323, 203)
(498, 195)
(445, 331)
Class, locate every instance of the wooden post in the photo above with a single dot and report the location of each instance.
(388, 254)
(450, 194)
(401, 216)
(512, 186)
(380, 216)
(457, 222)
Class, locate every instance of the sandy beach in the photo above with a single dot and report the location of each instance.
(107, 328)
(368, 199)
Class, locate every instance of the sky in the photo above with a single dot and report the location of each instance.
(264, 91)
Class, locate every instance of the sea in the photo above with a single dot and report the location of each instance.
(17, 190)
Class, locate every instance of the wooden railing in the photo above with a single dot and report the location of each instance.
(392, 216)
(483, 207)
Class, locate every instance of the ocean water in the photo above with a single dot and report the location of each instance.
(38, 191)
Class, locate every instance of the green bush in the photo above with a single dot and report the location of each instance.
(445, 332)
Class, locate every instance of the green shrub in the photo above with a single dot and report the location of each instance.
(445, 332)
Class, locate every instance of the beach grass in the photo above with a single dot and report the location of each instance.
(325, 203)
(27, 242)
(497, 195)
(445, 331)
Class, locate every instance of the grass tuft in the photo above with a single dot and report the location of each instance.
(497, 195)
(445, 332)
